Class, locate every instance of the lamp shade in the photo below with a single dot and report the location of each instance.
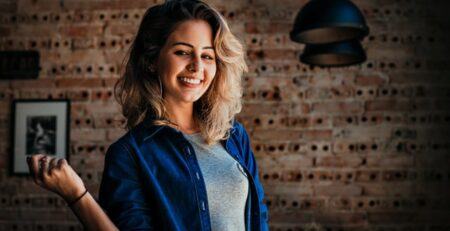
(334, 54)
(327, 21)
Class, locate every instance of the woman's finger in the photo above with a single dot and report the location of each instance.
(52, 164)
(61, 162)
(43, 172)
(33, 164)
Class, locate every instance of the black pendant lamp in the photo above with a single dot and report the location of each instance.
(334, 54)
(326, 21)
(331, 30)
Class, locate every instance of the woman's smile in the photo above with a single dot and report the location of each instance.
(190, 82)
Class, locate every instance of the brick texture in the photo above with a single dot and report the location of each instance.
(364, 147)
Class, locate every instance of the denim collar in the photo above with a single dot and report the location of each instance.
(150, 129)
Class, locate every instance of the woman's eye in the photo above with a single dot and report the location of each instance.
(181, 53)
(208, 57)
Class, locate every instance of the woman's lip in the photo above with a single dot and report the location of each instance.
(189, 77)
(190, 85)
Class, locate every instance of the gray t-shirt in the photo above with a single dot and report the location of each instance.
(226, 184)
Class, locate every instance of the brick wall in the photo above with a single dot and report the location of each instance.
(356, 148)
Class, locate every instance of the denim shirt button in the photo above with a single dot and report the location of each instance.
(198, 175)
(188, 151)
(203, 206)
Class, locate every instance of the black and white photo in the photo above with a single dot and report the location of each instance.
(40, 127)
(41, 135)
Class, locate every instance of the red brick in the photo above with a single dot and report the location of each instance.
(103, 94)
(371, 80)
(389, 105)
(268, 27)
(288, 188)
(272, 54)
(337, 190)
(258, 134)
(39, 83)
(32, 94)
(264, 108)
(293, 135)
(28, 6)
(330, 93)
(390, 161)
(339, 203)
(84, 43)
(291, 217)
(384, 189)
(364, 175)
(122, 29)
(87, 30)
(78, 95)
(83, 82)
(337, 107)
(294, 161)
(109, 122)
(100, 108)
(317, 135)
(88, 135)
(387, 217)
(37, 30)
(113, 5)
(326, 217)
(82, 122)
(339, 161)
(300, 108)
(109, 82)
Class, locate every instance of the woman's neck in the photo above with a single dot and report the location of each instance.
(182, 116)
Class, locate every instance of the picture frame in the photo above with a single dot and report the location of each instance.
(39, 126)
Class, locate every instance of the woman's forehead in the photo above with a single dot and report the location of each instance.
(197, 33)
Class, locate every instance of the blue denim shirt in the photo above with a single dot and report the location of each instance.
(152, 181)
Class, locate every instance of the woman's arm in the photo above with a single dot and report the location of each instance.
(57, 176)
(122, 192)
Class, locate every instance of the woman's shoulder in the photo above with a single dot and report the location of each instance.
(139, 133)
(131, 141)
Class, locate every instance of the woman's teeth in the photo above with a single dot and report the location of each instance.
(191, 81)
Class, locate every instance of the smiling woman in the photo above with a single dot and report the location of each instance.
(204, 47)
(185, 163)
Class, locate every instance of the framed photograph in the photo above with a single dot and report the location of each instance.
(39, 127)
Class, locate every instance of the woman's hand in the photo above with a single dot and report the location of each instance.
(56, 175)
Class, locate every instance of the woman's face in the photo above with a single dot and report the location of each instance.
(187, 62)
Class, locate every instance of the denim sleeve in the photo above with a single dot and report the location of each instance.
(253, 168)
(121, 194)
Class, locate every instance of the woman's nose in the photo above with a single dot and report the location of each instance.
(195, 65)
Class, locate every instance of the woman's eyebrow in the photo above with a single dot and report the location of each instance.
(189, 45)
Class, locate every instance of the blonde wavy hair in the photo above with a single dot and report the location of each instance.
(138, 90)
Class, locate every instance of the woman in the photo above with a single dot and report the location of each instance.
(184, 164)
